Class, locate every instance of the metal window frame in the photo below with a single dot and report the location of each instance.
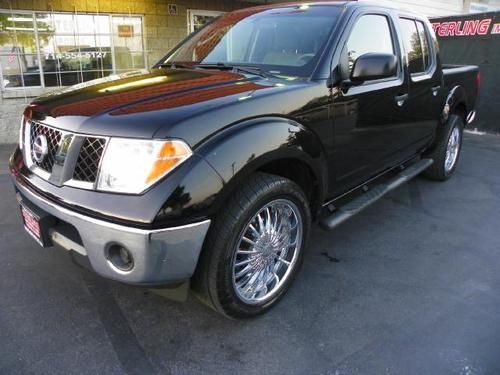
(38, 53)
(431, 69)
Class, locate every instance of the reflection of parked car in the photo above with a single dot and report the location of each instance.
(211, 167)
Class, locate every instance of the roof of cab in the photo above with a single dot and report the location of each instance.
(337, 3)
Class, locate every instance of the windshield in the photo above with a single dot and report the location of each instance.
(286, 41)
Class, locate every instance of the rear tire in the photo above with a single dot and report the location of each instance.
(446, 153)
(243, 269)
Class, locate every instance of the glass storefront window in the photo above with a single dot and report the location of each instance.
(60, 49)
(19, 70)
(199, 18)
(127, 25)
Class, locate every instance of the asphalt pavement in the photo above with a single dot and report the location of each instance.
(409, 286)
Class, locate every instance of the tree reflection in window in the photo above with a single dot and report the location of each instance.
(413, 46)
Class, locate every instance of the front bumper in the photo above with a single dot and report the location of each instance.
(160, 257)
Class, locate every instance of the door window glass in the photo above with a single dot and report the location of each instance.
(425, 45)
(413, 45)
(370, 34)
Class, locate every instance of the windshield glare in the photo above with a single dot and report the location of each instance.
(285, 41)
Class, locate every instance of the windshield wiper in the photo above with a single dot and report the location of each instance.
(242, 68)
(174, 65)
(221, 66)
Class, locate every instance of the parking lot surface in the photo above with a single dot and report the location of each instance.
(409, 286)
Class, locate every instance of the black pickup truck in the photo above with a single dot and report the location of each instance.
(210, 167)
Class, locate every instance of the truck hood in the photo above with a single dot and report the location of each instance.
(178, 103)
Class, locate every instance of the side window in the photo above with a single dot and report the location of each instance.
(414, 46)
(424, 39)
(370, 34)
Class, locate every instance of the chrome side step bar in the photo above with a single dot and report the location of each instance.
(371, 196)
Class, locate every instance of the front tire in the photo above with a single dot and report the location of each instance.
(447, 150)
(255, 247)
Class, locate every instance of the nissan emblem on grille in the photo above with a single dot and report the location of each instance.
(40, 148)
(44, 145)
(49, 147)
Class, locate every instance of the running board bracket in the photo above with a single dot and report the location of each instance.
(357, 205)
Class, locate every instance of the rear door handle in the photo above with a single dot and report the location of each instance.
(401, 99)
(435, 90)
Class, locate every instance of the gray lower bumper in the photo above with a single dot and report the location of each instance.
(160, 256)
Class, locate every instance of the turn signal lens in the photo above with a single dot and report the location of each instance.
(170, 154)
(133, 165)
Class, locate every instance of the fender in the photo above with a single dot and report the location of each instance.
(456, 97)
(241, 149)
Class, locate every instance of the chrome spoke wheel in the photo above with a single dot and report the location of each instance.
(267, 251)
(452, 149)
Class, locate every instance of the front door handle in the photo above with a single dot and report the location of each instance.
(435, 90)
(401, 99)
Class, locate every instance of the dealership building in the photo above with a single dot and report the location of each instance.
(45, 44)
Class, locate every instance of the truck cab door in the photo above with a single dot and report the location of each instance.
(422, 110)
(367, 125)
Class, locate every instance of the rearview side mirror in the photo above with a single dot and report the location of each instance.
(373, 66)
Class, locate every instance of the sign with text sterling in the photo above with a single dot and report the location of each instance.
(467, 26)
(474, 39)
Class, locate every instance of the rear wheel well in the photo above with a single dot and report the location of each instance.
(300, 173)
(461, 110)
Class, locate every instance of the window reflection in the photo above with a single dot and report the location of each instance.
(360, 42)
(425, 44)
(43, 49)
(413, 46)
(200, 20)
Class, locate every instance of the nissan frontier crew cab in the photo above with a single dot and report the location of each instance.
(210, 167)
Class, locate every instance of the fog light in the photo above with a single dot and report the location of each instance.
(120, 258)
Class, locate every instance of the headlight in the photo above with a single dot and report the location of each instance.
(133, 165)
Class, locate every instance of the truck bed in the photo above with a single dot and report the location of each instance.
(465, 76)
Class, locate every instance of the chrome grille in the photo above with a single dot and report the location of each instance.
(61, 157)
(87, 164)
(53, 137)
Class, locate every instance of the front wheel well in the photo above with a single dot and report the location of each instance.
(300, 173)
